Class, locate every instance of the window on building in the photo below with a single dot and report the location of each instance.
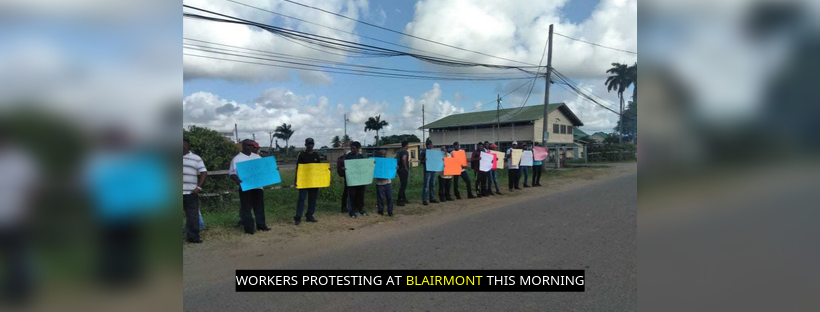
(563, 129)
(555, 129)
(413, 154)
(569, 129)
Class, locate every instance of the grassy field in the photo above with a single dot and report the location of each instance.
(280, 204)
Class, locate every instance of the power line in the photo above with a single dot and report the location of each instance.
(341, 30)
(534, 79)
(342, 45)
(302, 58)
(401, 33)
(595, 44)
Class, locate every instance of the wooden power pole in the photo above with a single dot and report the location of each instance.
(545, 133)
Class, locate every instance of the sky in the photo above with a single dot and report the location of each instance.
(218, 94)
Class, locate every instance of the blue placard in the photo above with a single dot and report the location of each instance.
(258, 173)
(435, 161)
(126, 186)
(385, 168)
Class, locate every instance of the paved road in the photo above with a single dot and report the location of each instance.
(592, 228)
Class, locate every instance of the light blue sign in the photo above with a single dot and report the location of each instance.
(125, 186)
(258, 173)
(435, 161)
(385, 168)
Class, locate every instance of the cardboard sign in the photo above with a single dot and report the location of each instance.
(385, 168)
(501, 157)
(486, 163)
(460, 155)
(516, 156)
(495, 162)
(258, 173)
(313, 176)
(539, 153)
(526, 159)
(435, 161)
(359, 171)
(452, 166)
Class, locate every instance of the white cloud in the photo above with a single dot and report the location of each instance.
(434, 108)
(518, 30)
(254, 38)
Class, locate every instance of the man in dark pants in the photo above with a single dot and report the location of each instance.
(249, 199)
(404, 171)
(355, 193)
(475, 162)
(464, 176)
(512, 170)
(536, 171)
(193, 177)
(309, 156)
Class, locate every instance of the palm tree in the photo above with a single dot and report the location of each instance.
(619, 80)
(375, 124)
(346, 140)
(284, 132)
(336, 142)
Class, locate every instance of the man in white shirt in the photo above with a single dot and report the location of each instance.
(193, 177)
(249, 199)
(512, 170)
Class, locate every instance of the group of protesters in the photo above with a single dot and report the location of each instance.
(252, 205)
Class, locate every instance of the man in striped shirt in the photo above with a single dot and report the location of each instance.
(193, 176)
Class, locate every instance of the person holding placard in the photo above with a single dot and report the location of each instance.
(249, 199)
(429, 176)
(524, 170)
(403, 159)
(444, 181)
(481, 177)
(309, 156)
(464, 176)
(536, 170)
(512, 168)
(355, 193)
(340, 166)
(384, 191)
(492, 176)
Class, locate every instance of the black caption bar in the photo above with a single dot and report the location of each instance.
(410, 280)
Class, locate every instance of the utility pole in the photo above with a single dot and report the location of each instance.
(271, 142)
(236, 132)
(498, 121)
(422, 125)
(621, 122)
(254, 137)
(545, 132)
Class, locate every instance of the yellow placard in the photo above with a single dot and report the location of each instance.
(313, 176)
(516, 156)
(501, 156)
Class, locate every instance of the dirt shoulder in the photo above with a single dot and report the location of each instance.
(286, 242)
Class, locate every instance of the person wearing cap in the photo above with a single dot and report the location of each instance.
(355, 194)
(309, 156)
(464, 176)
(429, 176)
(512, 170)
(403, 160)
(492, 176)
(249, 199)
(444, 181)
(256, 147)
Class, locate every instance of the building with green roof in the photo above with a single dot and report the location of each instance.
(524, 125)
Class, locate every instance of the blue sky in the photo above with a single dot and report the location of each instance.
(206, 88)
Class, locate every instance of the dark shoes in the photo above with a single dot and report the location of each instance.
(517, 188)
(380, 212)
(198, 241)
(390, 215)
(364, 214)
(297, 222)
(265, 229)
(353, 216)
(311, 220)
(434, 201)
(497, 193)
(470, 196)
(400, 204)
(424, 203)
